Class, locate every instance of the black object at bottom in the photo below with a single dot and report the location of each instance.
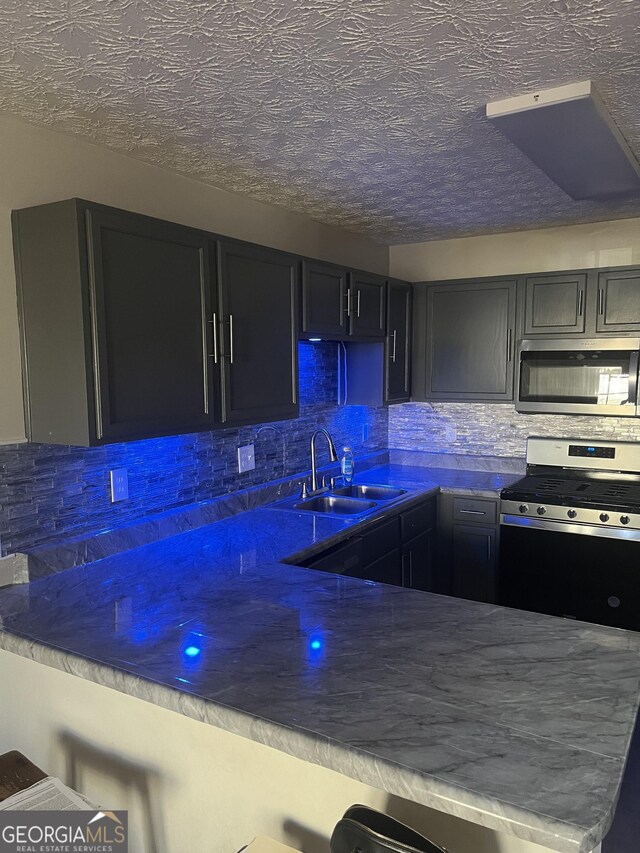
(568, 574)
(364, 830)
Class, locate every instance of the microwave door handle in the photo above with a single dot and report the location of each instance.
(633, 378)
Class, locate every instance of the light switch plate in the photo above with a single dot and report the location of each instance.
(246, 458)
(119, 484)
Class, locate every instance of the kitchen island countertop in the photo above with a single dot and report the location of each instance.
(516, 721)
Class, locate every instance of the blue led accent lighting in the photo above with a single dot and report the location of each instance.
(315, 340)
(192, 651)
(315, 645)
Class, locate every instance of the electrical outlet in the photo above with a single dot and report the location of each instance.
(246, 459)
(365, 432)
(450, 434)
(119, 485)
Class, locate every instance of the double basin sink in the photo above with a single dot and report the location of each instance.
(348, 500)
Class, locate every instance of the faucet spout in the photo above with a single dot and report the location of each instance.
(314, 464)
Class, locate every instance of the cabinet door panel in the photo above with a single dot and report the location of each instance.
(398, 343)
(555, 304)
(258, 334)
(619, 301)
(418, 562)
(150, 293)
(387, 569)
(474, 562)
(324, 300)
(366, 306)
(470, 341)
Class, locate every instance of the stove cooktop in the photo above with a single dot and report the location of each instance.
(605, 493)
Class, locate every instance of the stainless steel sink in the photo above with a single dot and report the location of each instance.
(373, 493)
(335, 505)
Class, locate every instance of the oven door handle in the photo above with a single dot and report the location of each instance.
(630, 535)
(633, 378)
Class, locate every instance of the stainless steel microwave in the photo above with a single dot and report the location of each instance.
(579, 377)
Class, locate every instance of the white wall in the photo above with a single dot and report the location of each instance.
(599, 244)
(39, 166)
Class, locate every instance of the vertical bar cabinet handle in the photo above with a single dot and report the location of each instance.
(230, 338)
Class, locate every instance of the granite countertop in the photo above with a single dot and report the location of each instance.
(512, 720)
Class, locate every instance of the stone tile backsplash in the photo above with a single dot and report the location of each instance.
(492, 429)
(48, 491)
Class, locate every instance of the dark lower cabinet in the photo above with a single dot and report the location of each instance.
(258, 333)
(474, 562)
(467, 563)
(398, 551)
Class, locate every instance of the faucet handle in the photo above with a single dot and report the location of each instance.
(304, 492)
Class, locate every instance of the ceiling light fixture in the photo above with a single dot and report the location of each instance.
(569, 134)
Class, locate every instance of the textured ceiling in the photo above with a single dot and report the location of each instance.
(367, 114)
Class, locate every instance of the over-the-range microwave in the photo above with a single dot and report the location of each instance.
(579, 377)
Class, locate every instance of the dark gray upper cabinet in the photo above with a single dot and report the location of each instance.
(555, 304)
(618, 306)
(339, 304)
(114, 310)
(323, 300)
(398, 343)
(465, 340)
(258, 333)
(366, 305)
(133, 327)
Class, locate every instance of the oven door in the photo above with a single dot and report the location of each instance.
(568, 571)
(590, 377)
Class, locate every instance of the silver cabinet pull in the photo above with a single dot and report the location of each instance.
(488, 549)
(393, 351)
(580, 300)
(358, 305)
(230, 354)
(214, 354)
(471, 512)
(508, 344)
(600, 301)
(348, 308)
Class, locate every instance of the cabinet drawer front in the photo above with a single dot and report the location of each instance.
(475, 510)
(381, 540)
(417, 520)
(343, 559)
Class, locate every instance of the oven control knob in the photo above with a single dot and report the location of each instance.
(541, 510)
(604, 516)
(624, 519)
(572, 513)
(523, 508)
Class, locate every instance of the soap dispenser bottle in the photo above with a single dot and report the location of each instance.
(347, 465)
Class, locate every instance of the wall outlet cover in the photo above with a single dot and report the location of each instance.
(246, 458)
(119, 480)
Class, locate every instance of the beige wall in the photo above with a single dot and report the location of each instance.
(571, 247)
(38, 166)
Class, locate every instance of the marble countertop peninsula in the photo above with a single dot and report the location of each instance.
(512, 720)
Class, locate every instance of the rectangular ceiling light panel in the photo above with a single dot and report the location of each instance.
(568, 133)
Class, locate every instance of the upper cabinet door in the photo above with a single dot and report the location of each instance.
(324, 300)
(258, 333)
(619, 301)
(150, 306)
(398, 343)
(555, 304)
(470, 340)
(366, 305)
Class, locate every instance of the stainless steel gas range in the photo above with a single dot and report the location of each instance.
(570, 532)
